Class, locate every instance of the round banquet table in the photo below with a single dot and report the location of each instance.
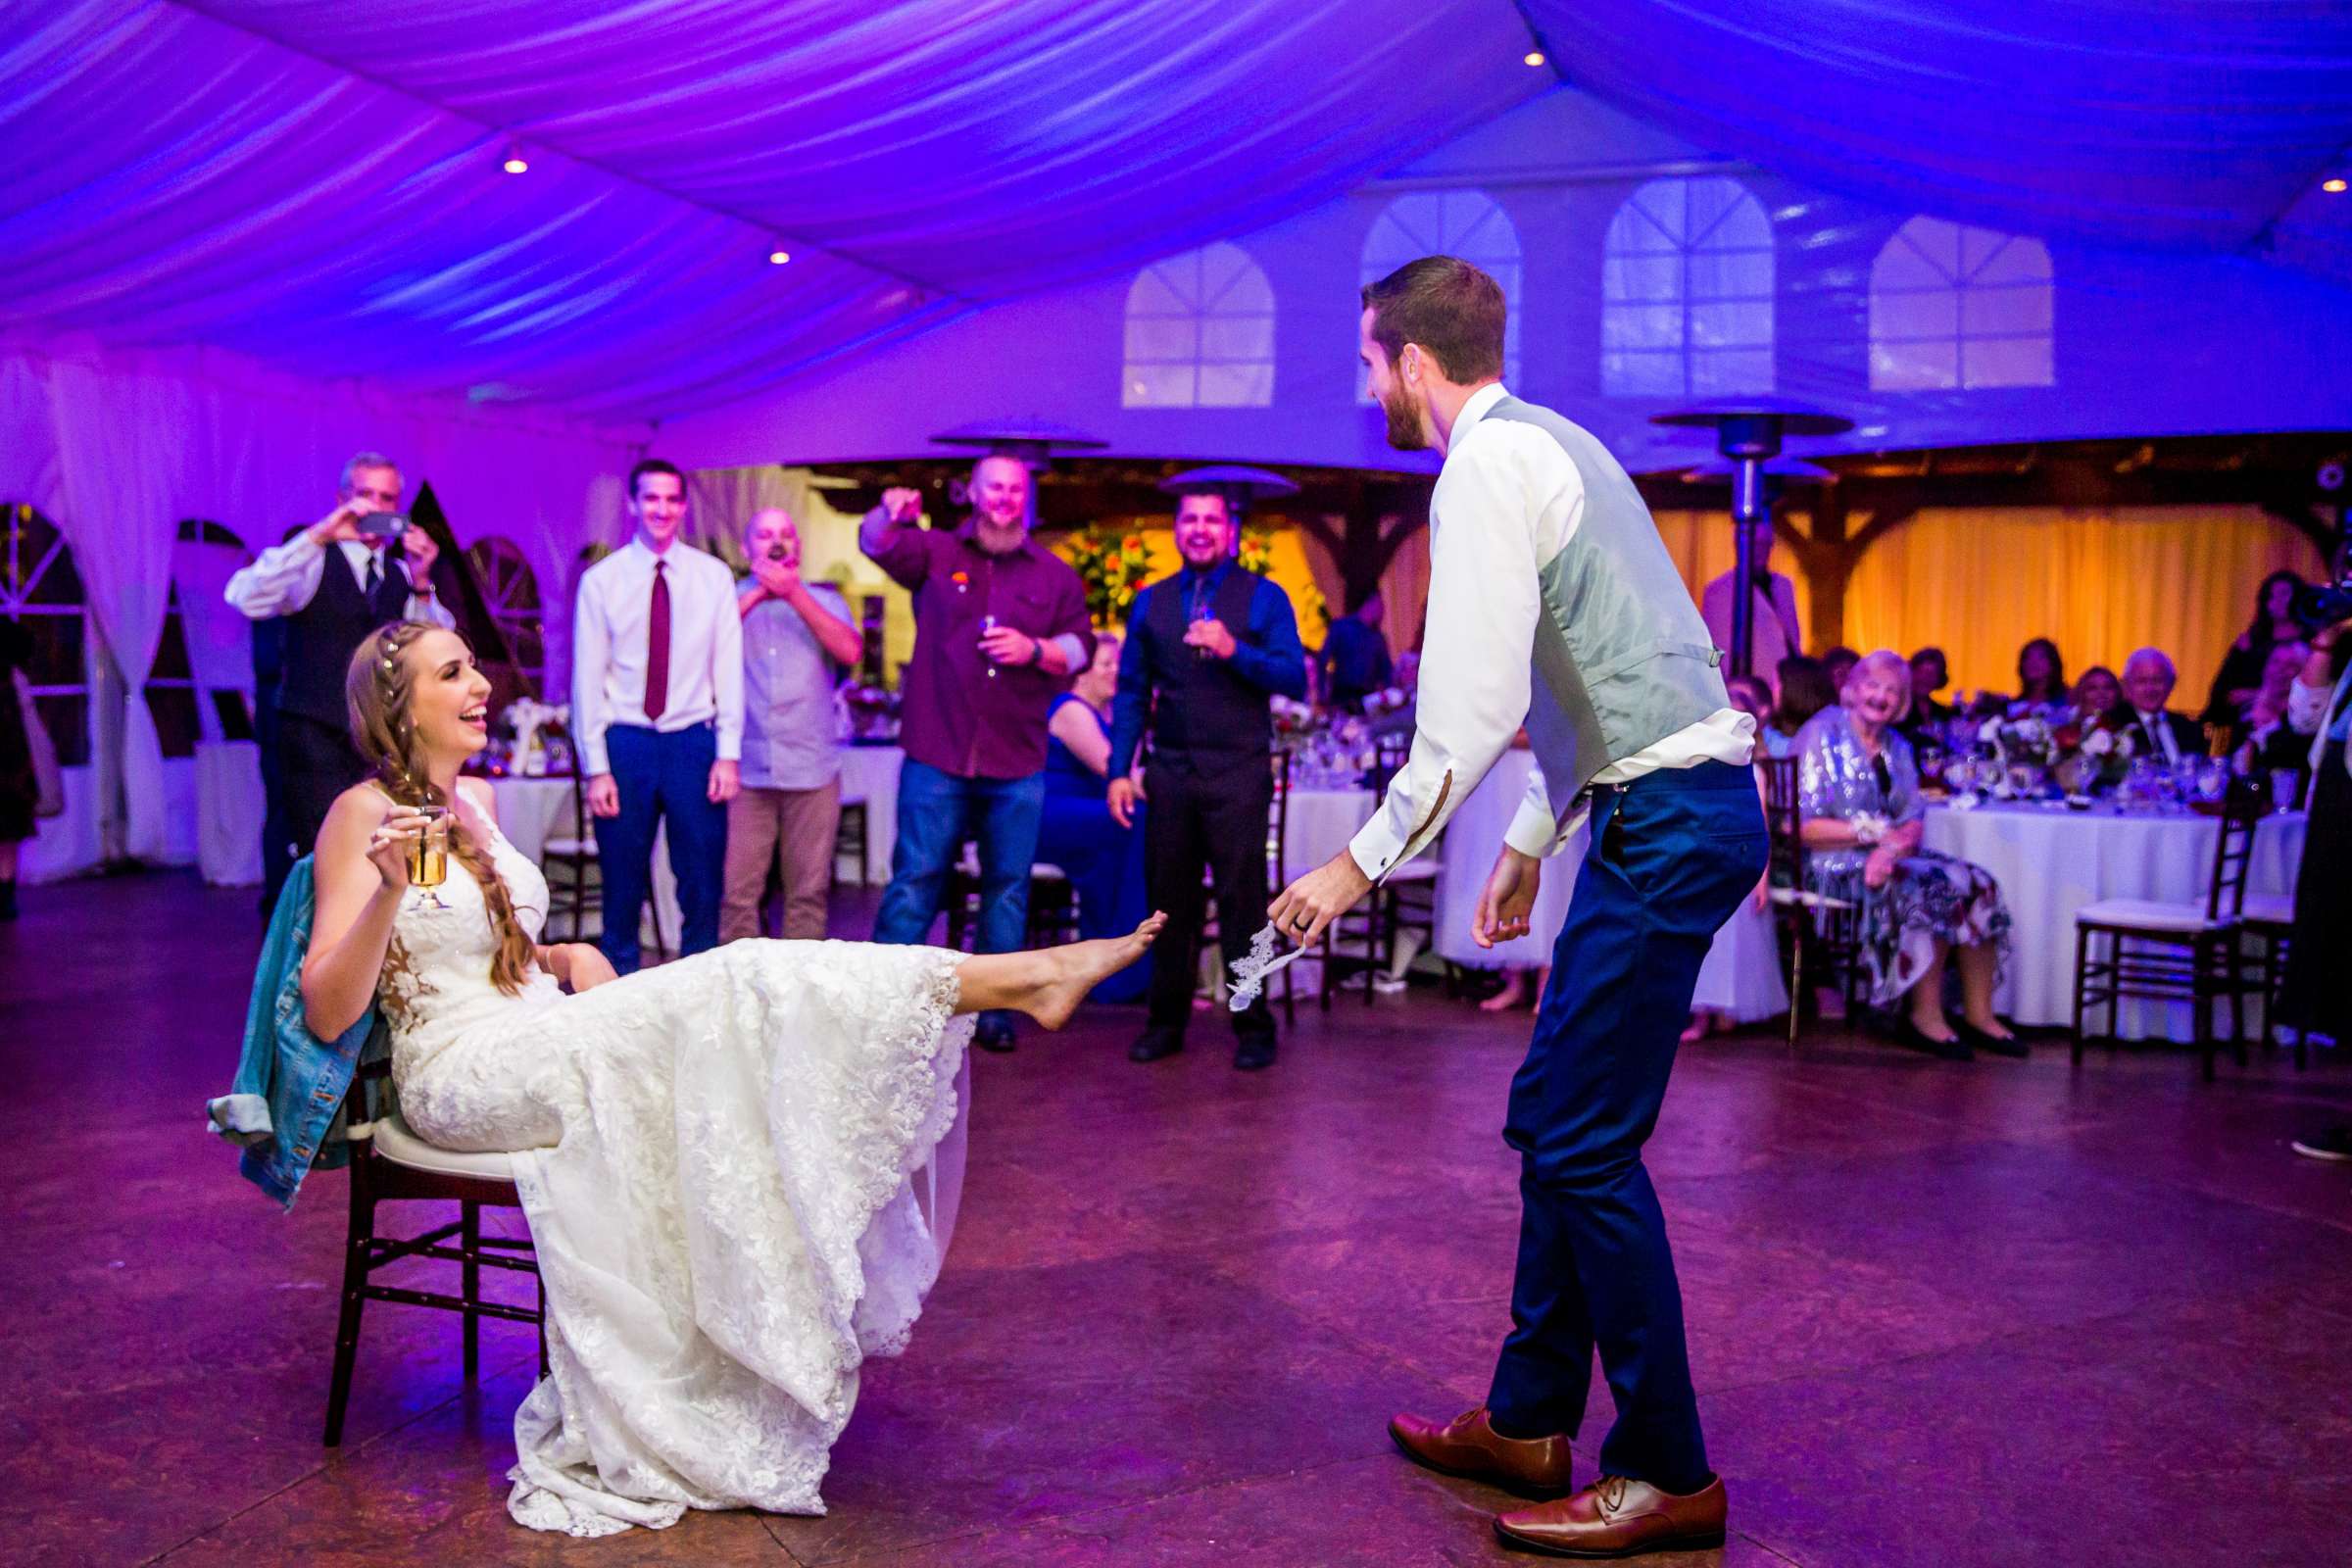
(1321, 821)
(869, 776)
(2052, 862)
(1473, 838)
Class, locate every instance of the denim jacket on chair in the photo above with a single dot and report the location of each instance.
(286, 1103)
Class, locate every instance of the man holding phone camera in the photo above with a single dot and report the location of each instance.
(332, 584)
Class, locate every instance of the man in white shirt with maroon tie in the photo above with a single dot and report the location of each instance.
(658, 714)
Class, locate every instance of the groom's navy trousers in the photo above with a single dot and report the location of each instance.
(1672, 855)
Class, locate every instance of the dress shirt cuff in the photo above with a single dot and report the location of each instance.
(593, 759)
(730, 747)
(1376, 848)
(1533, 833)
(1073, 649)
(428, 607)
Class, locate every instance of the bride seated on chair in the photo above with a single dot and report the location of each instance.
(714, 1156)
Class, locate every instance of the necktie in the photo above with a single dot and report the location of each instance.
(376, 577)
(657, 645)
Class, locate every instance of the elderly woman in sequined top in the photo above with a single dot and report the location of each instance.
(1862, 822)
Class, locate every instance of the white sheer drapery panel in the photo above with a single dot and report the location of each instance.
(219, 640)
(119, 446)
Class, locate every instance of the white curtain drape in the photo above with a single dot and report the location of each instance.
(118, 447)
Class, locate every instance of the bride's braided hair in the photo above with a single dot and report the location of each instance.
(377, 691)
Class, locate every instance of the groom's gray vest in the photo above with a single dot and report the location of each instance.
(1622, 658)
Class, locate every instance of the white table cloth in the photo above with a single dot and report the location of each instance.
(229, 808)
(1473, 838)
(1319, 826)
(2052, 862)
(532, 811)
(870, 774)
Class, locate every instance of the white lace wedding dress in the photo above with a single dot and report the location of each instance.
(724, 1184)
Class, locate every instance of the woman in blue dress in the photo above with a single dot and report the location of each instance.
(1862, 820)
(1103, 860)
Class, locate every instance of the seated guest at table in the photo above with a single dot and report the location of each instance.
(2096, 695)
(2315, 997)
(1805, 690)
(2262, 738)
(1355, 655)
(999, 624)
(2156, 731)
(798, 638)
(657, 713)
(1740, 980)
(1839, 661)
(1862, 822)
(1207, 650)
(1929, 675)
(330, 585)
(2240, 676)
(2041, 680)
(1103, 860)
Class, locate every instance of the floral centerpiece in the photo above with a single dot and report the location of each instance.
(540, 732)
(2101, 761)
(868, 712)
(1112, 562)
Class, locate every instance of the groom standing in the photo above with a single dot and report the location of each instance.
(1552, 602)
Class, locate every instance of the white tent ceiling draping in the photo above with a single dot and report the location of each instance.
(2164, 123)
(319, 184)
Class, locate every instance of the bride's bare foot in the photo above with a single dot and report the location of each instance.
(1071, 971)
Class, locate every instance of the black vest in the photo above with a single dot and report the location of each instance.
(322, 636)
(1203, 715)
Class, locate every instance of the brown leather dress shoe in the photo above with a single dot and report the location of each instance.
(1617, 1516)
(1469, 1446)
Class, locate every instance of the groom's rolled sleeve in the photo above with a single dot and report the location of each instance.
(1484, 601)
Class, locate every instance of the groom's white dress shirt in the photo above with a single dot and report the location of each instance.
(1507, 501)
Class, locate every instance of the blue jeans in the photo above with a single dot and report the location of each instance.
(936, 813)
(1673, 854)
(660, 777)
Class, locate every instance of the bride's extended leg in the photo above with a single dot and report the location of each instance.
(1047, 984)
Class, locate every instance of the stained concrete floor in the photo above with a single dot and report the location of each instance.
(2001, 1313)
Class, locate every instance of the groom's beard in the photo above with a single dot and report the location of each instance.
(1404, 422)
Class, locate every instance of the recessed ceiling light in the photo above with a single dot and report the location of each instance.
(779, 256)
(2333, 188)
(515, 162)
(1535, 57)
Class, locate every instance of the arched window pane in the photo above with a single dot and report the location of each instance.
(1953, 306)
(1686, 292)
(1466, 224)
(41, 592)
(510, 592)
(1200, 333)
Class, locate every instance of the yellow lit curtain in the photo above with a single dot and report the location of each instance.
(1981, 583)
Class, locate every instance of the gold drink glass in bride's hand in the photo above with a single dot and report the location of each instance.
(429, 856)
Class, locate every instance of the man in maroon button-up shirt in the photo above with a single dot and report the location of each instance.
(998, 625)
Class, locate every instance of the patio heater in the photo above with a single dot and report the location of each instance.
(1748, 432)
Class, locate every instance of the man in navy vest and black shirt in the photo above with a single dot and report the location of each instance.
(329, 586)
(1206, 650)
